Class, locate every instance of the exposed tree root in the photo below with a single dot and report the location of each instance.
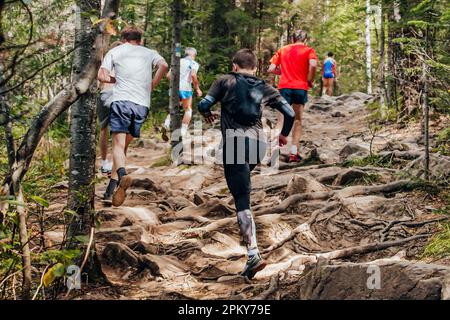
(304, 228)
(273, 286)
(344, 193)
(348, 252)
(200, 232)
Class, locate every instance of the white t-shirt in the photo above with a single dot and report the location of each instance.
(133, 67)
(187, 66)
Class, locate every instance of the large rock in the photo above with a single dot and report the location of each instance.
(439, 167)
(116, 254)
(352, 150)
(348, 176)
(397, 280)
(361, 96)
(165, 266)
(126, 235)
(303, 183)
(320, 107)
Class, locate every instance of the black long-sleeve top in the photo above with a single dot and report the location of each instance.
(222, 90)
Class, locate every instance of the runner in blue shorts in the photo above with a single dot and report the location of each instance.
(188, 77)
(130, 101)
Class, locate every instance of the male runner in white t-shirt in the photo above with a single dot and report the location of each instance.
(188, 76)
(133, 66)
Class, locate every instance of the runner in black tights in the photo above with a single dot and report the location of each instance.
(244, 141)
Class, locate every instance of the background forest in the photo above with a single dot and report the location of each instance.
(394, 49)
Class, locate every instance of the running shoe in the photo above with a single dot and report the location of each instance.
(120, 193)
(107, 199)
(106, 168)
(164, 135)
(254, 265)
(295, 158)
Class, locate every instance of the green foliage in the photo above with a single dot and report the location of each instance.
(439, 245)
(66, 257)
(56, 271)
(47, 169)
(163, 162)
(371, 160)
(443, 142)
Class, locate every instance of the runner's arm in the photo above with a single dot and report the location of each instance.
(336, 71)
(312, 71)
(196, 84)
(275, 63)
(215, 94)
(273, 98)
(274, 69)
(104, 76)
(104, 73)
(162, 69)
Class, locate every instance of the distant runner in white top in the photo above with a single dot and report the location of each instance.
(188, 76)
(133, 68)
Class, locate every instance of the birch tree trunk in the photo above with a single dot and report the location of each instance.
(368, 49)
(383, 96)
(425, 71)
(82, 128)
(54, 108)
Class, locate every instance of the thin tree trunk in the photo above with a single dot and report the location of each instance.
(383, 97)
(175, 116)
(368, 49)
(82, 129)
(146, 22)
(426, 111)
(260, 53)
(2, 37)
(5, 110)
(62, 101)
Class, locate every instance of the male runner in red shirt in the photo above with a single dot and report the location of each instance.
(297, 65)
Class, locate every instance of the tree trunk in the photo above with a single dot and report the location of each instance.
(62, 101)
(2, 37)
(82, 130)
(368, 49)
(426, 137)
(174, 104)
(146, 21)
(383, 97)
(6, 122)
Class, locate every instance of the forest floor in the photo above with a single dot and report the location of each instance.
(176, 235)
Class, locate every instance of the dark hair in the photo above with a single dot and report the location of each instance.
(245, 59)
(299, 35)
(330, 54)
(131, 33)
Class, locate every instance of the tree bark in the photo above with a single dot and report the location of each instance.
(5, 120)
(175, 116)
(383, 96)
(426, 137)
(2, 37)
(82, 130)
(61, 102)
(368, 49)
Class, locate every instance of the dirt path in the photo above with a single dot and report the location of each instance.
(176, 236)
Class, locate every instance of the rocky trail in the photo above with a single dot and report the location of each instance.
(322, 226)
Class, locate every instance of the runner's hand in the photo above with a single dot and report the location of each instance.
(282, 140)
(199, 92)
(311, 84)
(209, 117)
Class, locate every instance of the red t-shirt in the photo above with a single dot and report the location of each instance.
(294, 61)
